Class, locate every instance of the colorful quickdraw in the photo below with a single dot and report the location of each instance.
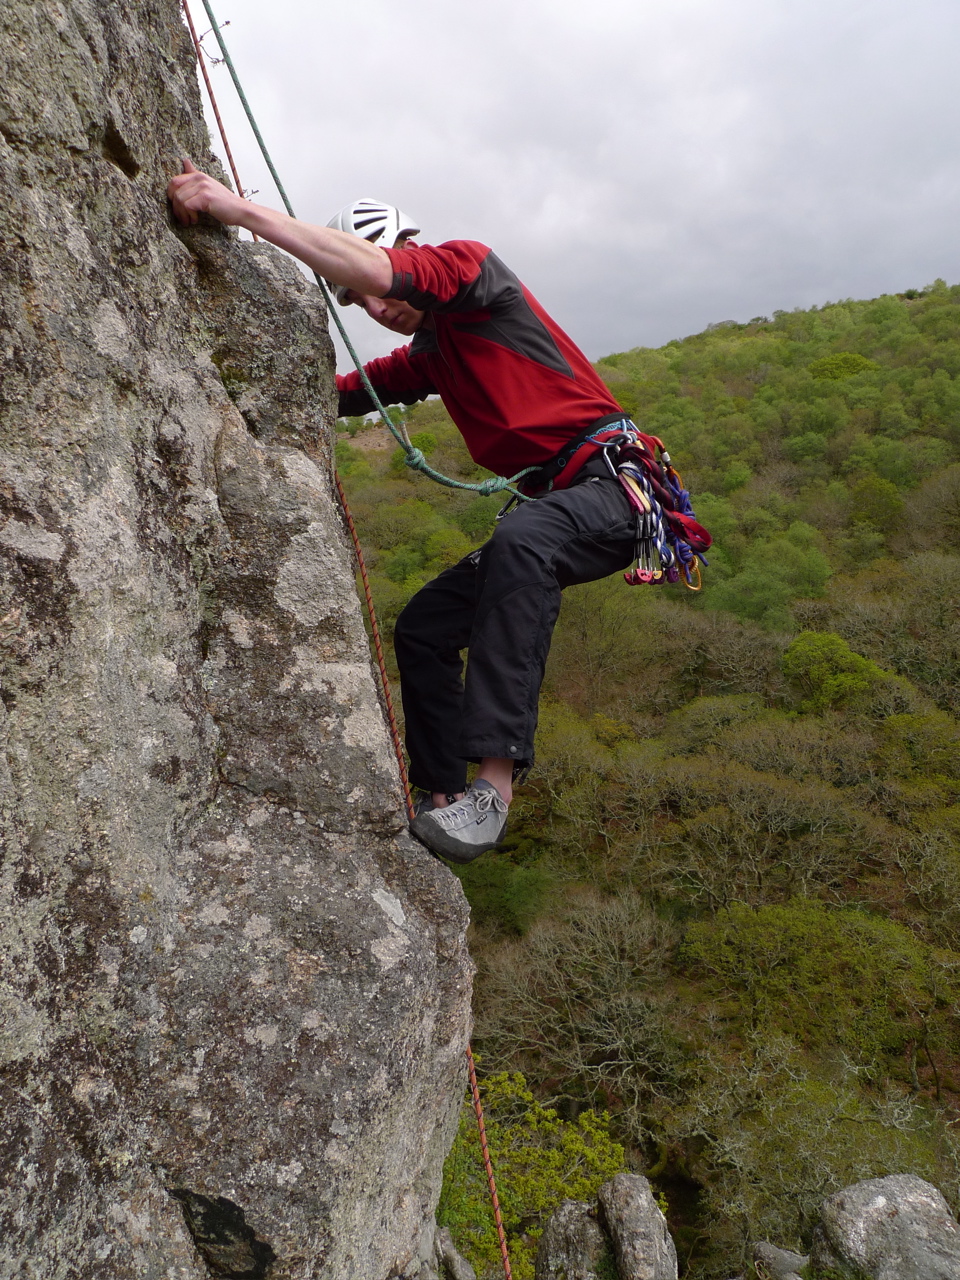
(670, 541)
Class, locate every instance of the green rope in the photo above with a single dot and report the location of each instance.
(414, 457)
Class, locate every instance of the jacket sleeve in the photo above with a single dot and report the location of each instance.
(395, 378)
(461, 275)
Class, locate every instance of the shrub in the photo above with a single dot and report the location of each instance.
(581, 1001)
(925, 745)
(700, 723)
(742, 835)
(539, 1160)
(809, 447)
(445, 547)
(903, 615)
(842, 364)
(425, 441)
(833, 979)
(503, 895)
(775, 572)
(477, 517)
(828, 671)
(352, 462)
(876, 501)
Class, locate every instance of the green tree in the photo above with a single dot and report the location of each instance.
(539, 1160)
(352, 462)
(829, 978)
(842, 364)
(828, 672)
(775, 572)
(771, 1135)
(701, 767)
(876, 501)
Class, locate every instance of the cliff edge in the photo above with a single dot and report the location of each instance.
(234, 997)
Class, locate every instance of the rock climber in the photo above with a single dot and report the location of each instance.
(522, 395)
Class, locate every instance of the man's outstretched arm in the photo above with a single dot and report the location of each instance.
(335, 255)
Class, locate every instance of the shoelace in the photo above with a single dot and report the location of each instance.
(479, 801)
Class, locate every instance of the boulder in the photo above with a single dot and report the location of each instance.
(452, 1265)
(777, 1264)
(642, 1245)
(894, 1228)
(234, 996)
(573, 1245)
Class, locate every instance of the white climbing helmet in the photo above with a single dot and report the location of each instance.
(381, 224)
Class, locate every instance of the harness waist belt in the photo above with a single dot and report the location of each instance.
(588, 440)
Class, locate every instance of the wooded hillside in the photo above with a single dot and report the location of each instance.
(728, 910)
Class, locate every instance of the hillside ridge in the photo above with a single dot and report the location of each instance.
(726, 912)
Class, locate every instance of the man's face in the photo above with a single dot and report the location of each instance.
(397, 316)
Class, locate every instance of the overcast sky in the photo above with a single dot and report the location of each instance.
(646, 166)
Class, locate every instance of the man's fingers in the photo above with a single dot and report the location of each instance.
(186, 217)
(194, 192)
(178, 195)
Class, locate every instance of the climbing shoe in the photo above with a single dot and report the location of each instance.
(464, 830)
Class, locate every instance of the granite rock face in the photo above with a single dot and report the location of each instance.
(894, 1228)
(233, 995)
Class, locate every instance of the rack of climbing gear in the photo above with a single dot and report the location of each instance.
(494, 485)
(670, 540)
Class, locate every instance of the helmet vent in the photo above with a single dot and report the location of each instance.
(382, 225)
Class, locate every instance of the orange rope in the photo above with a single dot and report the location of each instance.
(378, 646)
(491, 1181)
(388, 701)
(213, 101)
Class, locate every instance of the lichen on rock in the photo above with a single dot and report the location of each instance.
(234, 995)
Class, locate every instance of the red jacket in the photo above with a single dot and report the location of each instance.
(510, 378)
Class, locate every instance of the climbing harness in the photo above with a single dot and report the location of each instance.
(371, 611)
(670, 541)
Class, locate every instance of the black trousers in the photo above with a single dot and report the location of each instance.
(501, 604)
